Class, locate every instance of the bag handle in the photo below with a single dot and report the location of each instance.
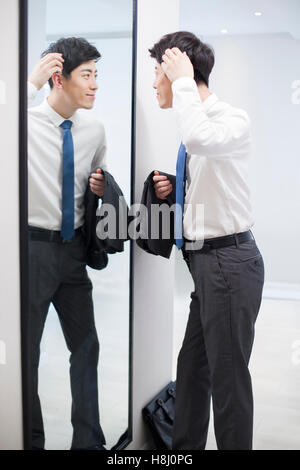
(161, 403)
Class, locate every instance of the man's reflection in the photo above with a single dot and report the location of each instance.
(64, 148)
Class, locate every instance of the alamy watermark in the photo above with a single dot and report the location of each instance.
(158, 225)
(296, 353)
(296, 93)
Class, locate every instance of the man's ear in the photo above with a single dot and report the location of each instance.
(57, 80)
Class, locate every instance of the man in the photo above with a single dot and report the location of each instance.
(227, 268)
(64, 147)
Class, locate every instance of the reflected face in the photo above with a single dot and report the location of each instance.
(80, 88)
(163, 87)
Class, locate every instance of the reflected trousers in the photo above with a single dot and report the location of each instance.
(57, 274)
(213, 360)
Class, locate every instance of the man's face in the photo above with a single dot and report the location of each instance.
(163, 87)
(80, 88)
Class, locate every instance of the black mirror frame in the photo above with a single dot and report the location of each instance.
(126, 438)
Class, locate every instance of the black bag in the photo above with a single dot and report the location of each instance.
(159, 415)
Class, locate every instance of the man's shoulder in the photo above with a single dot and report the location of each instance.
(89, 126)
(90, 121)
(36, 110)
(88, 117)
(37, 115)
(226, 109)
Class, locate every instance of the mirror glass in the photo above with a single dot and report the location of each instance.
(257, 68)
(107, 25)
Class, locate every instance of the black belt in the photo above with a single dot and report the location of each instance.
(219, 242)
(44, 235)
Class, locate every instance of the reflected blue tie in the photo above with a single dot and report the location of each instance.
(180, 190)
(67, 225)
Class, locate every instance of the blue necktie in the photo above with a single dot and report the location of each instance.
(67, 225)
(180, 190)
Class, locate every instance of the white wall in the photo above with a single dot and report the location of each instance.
(113, 105)
(256, 72)
(37, 10)
(10, 358)
(157, 143)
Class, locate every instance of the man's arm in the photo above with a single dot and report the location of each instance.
(47, 66)
(199, 133)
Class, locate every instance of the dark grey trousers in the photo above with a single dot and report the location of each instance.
(213, 361)
(57, 274)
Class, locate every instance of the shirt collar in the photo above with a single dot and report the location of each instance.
(210, 101)
(54, 117)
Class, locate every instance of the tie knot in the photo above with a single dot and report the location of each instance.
(182, 148)
(66, 124)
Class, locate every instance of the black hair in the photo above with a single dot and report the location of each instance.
(75, 52)
(201, 55)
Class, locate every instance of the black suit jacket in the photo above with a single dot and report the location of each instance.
(160, 246)
(98, 249)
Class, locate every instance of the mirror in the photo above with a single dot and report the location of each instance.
(69, 325)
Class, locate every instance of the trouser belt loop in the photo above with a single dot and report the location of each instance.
(236, 240)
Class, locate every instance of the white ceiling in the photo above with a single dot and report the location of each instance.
(83, 16)
(208, 17)
(203, 17)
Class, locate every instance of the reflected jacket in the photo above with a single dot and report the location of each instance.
(98, 249)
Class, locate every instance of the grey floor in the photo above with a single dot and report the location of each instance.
(274, 365)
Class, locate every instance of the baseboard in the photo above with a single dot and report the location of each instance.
(281, 291)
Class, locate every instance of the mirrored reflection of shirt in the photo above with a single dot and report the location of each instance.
(217, 139)
(45, 143)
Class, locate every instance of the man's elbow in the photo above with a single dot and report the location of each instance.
(221, 140)
(202, 143)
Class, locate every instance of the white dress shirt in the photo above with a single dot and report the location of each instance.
(45, 145)
(217, 140)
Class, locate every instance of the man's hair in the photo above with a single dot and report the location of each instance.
(75, 52)
(201, 55)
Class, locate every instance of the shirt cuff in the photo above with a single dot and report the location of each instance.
(184, 82)
(32, 91)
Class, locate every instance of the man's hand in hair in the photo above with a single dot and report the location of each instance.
(177, 64)
(48, 65)
(162, 186)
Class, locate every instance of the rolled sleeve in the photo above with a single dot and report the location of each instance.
(32, 92)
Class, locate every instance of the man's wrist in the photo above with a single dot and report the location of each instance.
(184, 83)
(32, 91)
(36, 85)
